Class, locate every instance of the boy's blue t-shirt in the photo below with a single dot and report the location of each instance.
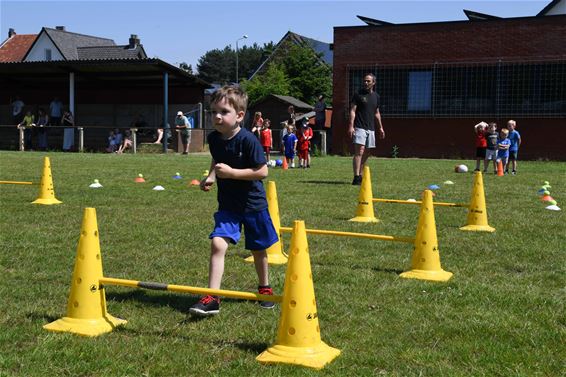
(289, 142)
(240, 152)
(514, 136)
(503, 153)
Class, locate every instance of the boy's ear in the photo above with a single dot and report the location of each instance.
(240, 116)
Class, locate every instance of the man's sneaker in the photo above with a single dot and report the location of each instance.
(514, 172)
(208, 305)
(357, 181)
(266, 290)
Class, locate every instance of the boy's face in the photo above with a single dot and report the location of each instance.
(502, 135)
(492, 128)
(511, 126)
(224, 116)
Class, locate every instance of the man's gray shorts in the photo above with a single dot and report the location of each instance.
(364, 137)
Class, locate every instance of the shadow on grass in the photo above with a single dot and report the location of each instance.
(327, 182)
(360, 267)
(178, 301)
(255, 348)
(43, 317)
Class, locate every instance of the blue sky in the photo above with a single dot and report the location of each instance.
(182, 31)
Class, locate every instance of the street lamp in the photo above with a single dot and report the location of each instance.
(245, 36)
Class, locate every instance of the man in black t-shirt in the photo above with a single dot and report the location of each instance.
(364, 119)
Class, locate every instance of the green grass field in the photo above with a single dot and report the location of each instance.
(502, 313)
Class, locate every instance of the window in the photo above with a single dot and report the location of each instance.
(48, 54)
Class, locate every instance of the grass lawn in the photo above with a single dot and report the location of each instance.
(501, 314)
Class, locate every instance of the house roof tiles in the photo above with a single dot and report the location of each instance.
(15, 48)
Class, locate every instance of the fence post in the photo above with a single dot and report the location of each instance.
(134, 140)
(322, 143)
(81, 139)
(21, 138)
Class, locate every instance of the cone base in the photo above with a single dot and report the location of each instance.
(139, 180)
(271, 259)
(478, 228)
(365, 219)
(439, 275)
(46, 201)
(313, 357)
(85, 327)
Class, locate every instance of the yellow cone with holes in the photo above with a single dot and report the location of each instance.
(274, 252)
(86, 308)
(477, 211)
(298, 337)
(364, 211)
(425, 263)
(46, 190)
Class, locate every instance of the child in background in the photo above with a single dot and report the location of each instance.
(481, 145)
(305, 137)
(27, 123)
(290, 145)
(492, 147)
(515, 139)
(257, 124)
(238, 166)
(503, 144)
(266, 139)
(126, 143)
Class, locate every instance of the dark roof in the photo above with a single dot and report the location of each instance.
(111, 52)
(15, 48)
(288, 100)
(477, 16)
(117, 69)
(319, 47)
(373, 21)
(68, 42)
(548, 8)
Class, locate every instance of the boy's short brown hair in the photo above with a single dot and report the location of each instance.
(235, 96)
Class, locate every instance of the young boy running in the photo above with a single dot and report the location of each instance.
(238, 166)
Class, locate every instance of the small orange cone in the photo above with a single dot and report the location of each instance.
(195, 182)
(139, 179)
(425, 262)
(46, 189)
(284, 165)
(86, 308)
(298, 336)
(499, 168)
(477, 211)
(274, 252)
(364, 211)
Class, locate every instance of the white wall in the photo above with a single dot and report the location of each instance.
(37, 53)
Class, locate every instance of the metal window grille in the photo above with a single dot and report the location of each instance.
(496, 89)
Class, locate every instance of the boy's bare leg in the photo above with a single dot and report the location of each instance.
(261, 266)
(218, 248)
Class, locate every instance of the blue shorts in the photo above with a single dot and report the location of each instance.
(258, 228)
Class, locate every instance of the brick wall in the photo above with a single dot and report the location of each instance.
(518, 39)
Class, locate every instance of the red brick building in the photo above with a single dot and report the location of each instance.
(437, 80)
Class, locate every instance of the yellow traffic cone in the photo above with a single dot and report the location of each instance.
(46, 190)
(477, 211)
(274, 252)
(425, 264)
(364, 212)
(298, 337)
(86, 308)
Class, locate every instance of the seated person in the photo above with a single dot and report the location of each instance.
(127, 142)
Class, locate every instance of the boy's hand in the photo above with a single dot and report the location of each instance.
(206, 183)
(223, 170)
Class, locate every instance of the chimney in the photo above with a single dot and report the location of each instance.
(62, 28)
(134, 41)
(11, 33)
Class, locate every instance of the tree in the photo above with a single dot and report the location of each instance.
(220, 65)
(187, 68)
(309, 77)
(273, 81)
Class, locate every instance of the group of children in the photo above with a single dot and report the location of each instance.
(118, 142)
(293, 142)
(493, 146)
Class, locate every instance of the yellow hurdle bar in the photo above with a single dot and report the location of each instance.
(188, 289)
(350, 234)
(15, 183)
(439, 204)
